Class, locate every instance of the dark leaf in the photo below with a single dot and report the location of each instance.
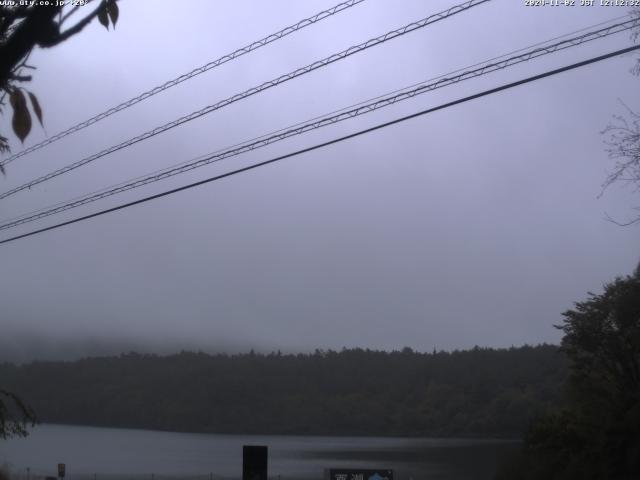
(36, 107)
(21, 117)
(113, 11)
(103, 17)
(2, 170)
(4, 145)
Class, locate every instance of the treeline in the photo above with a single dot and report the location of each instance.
(483, 392)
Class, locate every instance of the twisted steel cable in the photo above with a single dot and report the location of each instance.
(529, 47)
(459, 101)
(378, 103)
(254, 90)
(182, 78)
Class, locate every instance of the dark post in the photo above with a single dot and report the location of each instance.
(254, 462)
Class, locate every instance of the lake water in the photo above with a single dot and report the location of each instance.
(114, 454)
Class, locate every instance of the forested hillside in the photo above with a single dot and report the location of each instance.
(483, 392)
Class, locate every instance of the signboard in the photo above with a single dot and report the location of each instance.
(358, 474)
(61, 468)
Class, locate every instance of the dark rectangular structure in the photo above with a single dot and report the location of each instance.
(254, 462)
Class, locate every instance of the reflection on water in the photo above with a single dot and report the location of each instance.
(114, 454)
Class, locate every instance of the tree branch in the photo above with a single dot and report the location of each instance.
(12, 426)
(36, 26)
(77, 28)
(622, 224)
(68, 14)
(71, 12)
(20, 78)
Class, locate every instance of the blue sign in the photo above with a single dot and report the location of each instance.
(352, 474)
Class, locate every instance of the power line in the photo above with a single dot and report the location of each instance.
(522, 49)
(282, 134)
(334, 141)
(319, 122)
(512, 52)
(252, 91)
(187, 76)
(611, 20)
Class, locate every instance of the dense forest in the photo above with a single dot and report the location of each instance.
(483, 392)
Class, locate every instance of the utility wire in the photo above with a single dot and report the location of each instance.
(565, 35)
(334, 141)
(252, 91)
(522, 49)
(614, 19)
(182, 78)
(319, 122)
(287, 132)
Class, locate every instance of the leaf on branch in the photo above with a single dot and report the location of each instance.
(21, 117)
(113, 11)
(4, 145)
(4, 148)
(103, 17)
(36, 107)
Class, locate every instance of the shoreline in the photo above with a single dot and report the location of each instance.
(504, 438)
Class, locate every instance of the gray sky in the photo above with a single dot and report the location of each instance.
(479, 224)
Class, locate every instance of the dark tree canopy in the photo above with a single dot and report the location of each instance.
(25, 27)
(597, 435)
(602, 339)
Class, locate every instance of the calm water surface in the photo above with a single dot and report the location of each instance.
(115, 454)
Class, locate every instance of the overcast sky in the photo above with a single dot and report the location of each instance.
(475, 225)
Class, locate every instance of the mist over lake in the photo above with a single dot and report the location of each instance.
(111, 452)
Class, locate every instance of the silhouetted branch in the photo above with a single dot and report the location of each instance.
(623, 145)
(14, 423)
(78, 27)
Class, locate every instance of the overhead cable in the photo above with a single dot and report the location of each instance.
(330, 142)
(252, 91)
(187, 76)
(319, 122)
